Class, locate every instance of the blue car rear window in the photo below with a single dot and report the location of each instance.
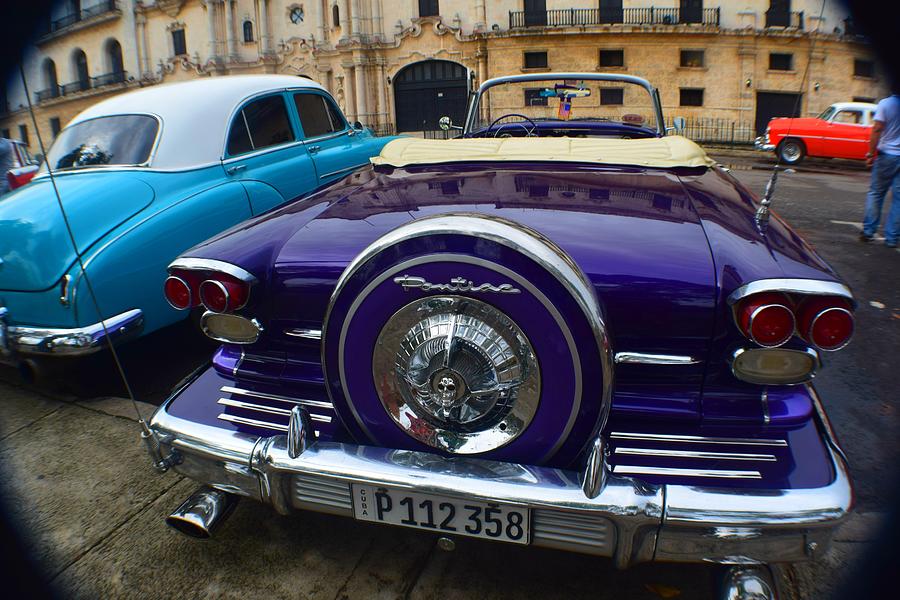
(113, 140)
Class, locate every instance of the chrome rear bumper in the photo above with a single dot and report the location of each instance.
(628, 520)
(20, 339)
(761, 143)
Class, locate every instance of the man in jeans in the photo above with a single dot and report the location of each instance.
(884, 158)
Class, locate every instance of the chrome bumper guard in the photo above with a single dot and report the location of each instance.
(627, 520)
(761, 143)
(20, 339)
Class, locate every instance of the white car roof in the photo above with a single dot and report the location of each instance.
(195, 114)
(854, 106)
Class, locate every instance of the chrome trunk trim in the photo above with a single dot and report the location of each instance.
(693, 454)
(640, 358)
(227, 389)
(697, 439)
(272, 410)
(679, 472)
(307, 334)
(209, 264)
(815, 287)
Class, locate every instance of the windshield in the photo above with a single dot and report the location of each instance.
(105, 141)
(566, 107)
(827, 114)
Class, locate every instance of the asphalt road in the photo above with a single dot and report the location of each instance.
(91, 511)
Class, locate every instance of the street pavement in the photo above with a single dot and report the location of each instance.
(90, 509)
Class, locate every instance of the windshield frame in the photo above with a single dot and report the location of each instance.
(150, 156)
(472, 115)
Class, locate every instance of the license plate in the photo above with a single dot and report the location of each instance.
(442, 514)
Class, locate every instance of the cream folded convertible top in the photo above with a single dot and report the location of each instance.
(667, 152)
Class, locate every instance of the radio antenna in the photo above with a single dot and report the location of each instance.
(147, 435)
(762, 212)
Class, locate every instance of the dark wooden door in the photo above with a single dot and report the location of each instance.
(426, 91)
(691, 11)
(535, 13)
(611, 11)
(775, 104)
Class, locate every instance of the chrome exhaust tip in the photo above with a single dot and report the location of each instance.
(201, 515)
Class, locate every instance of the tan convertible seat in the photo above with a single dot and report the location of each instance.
(667, 152)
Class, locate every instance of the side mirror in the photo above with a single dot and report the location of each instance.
(446, 124)
(679, 123)
(357, 126)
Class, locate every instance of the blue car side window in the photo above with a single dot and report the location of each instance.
(260, 124)
(318, 114)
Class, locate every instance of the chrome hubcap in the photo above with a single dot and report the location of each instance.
(791, 151)
(456, 374)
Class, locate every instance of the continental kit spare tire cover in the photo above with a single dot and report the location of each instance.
(463, 334)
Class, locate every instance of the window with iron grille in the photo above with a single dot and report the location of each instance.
(54, 126)
(693, 58)
(863, 68)
(533, 98)
(691, 97)
(612, 58)
(536, 60)
(612, 95)
(781, 62)
(179, 45)
(428, 8)
(23, 133)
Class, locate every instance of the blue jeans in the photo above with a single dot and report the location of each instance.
(885, 174)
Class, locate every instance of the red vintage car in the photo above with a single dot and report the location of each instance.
(24, 165)
(842, 131)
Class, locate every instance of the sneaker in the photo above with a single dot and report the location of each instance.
(865, 238)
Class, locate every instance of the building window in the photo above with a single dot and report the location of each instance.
(535, 60)
(693, 58)
(863, 68)
(179, 45)
(335, 16)
(612, 58)
(248, 32)
(54, 126)
(781, 62)
(428, 8)
(612, 95)
(23, 133)
(533, 98)
(691, 97)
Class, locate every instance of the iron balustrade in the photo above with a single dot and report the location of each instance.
(784, 18)
(85, 13)
(83, 85)
(51, 92)
(75, 86)
(108, 79)
(579, 17)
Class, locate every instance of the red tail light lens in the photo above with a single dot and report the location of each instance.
(223, 293)
(826, 322)
(766, 319)
(178, 293)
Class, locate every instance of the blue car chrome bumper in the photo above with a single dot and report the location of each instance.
(33, 340)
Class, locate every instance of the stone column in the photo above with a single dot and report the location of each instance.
(357, 28)
(211, 29)
(349, 97)
(140, 43)
(322, 18)
(229, 30)
(377, 23)
(383, 96)
(345, 19)
(361, 105)
(263, 28)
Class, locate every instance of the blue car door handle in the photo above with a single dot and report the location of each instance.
(235, 168)
(313, 149)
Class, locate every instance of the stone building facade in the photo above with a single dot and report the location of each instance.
(397, 65)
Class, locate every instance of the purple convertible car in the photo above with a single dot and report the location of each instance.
(564, 328)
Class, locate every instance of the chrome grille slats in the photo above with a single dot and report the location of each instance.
(567, 531)
(322, 493)
(690, 458)
(268, 411)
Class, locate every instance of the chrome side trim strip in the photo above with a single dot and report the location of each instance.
(711, 473)
(308, 334)
(697, 439)
(814, 287)
(640, 358)
(695, 454)
(272, 410)
(210, 264)
(227, 389)
(344, 170)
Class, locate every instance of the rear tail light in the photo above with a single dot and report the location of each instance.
(223, 294)
(766, 318)
(825, 322)
(178, 293)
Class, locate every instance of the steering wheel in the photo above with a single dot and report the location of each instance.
(528, 132)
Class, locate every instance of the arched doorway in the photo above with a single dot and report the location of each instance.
(51, 84)
(80, 66)
(114, 61)
(428, 90)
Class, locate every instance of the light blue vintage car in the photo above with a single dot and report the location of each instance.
(143, 177)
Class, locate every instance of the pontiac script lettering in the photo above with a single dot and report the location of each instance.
(457, 284)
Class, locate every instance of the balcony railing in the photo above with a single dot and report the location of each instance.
(83, 85)
(108, 79)
(85, 13)
(783, 18)
(575, 17)
(75, 86)
(50, 92)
